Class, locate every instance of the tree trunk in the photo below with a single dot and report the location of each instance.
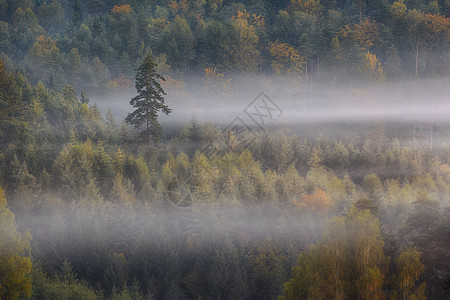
(432, 125)
(148, 133)
(185, 61)
(360, 12)
(336, 273)
(417, 54)
(306, 78)
(318, 66)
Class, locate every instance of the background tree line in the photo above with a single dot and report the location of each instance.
(95, 44)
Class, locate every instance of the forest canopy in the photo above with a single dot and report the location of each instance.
(315, 208)
(94, 44)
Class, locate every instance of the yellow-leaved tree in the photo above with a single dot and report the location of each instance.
(409, 268)
(286, 60)
(242, 54)
(371, 68)
(15, 266)
(347, 263)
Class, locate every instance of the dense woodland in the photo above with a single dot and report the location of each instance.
(96, 45)
(88, 210)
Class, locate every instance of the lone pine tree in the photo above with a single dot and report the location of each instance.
(149, 101)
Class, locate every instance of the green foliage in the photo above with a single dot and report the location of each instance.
(15, 264)
(63, 286)
(266, 271)
(180, 43)
(11, 107)
(195, 132)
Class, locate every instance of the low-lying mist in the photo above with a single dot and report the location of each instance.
(88, 236)
(300, 102)
(209, 223)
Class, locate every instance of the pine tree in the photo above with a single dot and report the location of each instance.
(84, 97)
(195, 134)
(11, 107)
(102, 168)
(149, 101)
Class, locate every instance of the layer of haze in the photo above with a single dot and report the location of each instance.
(424, 101)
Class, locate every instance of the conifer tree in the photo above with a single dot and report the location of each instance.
(149, 101)
(195, 132)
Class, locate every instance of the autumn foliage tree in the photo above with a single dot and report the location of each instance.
(286, 60)
(318, 202)
(119, 9)
(347, 263)
(371, 68)
(409, 268)
(242, 54)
